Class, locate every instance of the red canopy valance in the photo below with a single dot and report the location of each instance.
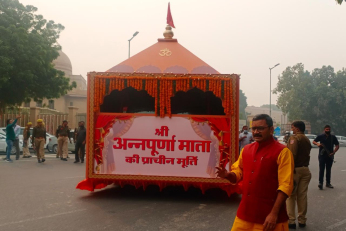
(162, 88)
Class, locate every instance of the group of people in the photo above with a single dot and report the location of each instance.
(38, 140)
(63, 136)
(275, 177)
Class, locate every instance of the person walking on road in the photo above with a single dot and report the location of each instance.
(63, 134)
(300, 147)
(16, 140)
(327, 151)
(10, 137)
(80, 142)
(26, 137)
(39, 140)
(266, 168)
(75, 137)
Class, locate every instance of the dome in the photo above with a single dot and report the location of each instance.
(63, 63)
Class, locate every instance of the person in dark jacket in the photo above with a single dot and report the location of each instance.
(326, 143)
(10, 137)
(80, 142)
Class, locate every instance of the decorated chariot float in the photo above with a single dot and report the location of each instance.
(162, 117)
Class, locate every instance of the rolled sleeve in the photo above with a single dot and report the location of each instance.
(237, 167)
(285, 171)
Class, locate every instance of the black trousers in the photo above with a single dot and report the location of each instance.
(325, 163)
(81, 147)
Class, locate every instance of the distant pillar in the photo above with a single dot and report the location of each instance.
(34, 112)
(249, 120)
(72, 114)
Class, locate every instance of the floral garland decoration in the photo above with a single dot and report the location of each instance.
(165, 91)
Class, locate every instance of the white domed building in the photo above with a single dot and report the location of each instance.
(77, 97)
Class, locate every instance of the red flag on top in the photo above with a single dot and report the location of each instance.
(169, 17)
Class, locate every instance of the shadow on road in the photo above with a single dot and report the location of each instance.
(168, 194)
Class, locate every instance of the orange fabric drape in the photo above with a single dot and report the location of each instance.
(162, 89)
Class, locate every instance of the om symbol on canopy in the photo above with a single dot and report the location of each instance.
(165, 52)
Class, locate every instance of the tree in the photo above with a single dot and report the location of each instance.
(28, 45)
(242, 105)
(339, 1)
(318, 97)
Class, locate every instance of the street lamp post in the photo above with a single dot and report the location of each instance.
(134, 35)
(270, 84)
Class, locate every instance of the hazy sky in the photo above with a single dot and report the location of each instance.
(233, 36)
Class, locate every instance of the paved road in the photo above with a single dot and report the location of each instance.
(43, 197)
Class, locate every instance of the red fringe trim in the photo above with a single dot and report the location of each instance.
(92, 184)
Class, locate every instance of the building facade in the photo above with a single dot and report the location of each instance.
(278, 117)
(77, 97)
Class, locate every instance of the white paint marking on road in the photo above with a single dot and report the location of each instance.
(40, 218)
(343, 170)
(337, 224)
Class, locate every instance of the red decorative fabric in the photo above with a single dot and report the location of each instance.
(91, 184)
(260, 182)
(219, 125)
(169, 16)
(103, 124)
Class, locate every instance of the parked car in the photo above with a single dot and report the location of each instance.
(3, 145)
(3, 132)
(53, 144)
(342, 141)
(281, 140)
(311, 137)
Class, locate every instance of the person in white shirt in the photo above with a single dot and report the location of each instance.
(26, 140)
(16, 141)
(245, 138)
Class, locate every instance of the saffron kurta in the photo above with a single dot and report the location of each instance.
(265, 169)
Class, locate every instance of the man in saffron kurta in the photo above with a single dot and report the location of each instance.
(266, 168)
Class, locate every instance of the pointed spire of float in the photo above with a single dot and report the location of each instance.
(168, 34)
(169, 17)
